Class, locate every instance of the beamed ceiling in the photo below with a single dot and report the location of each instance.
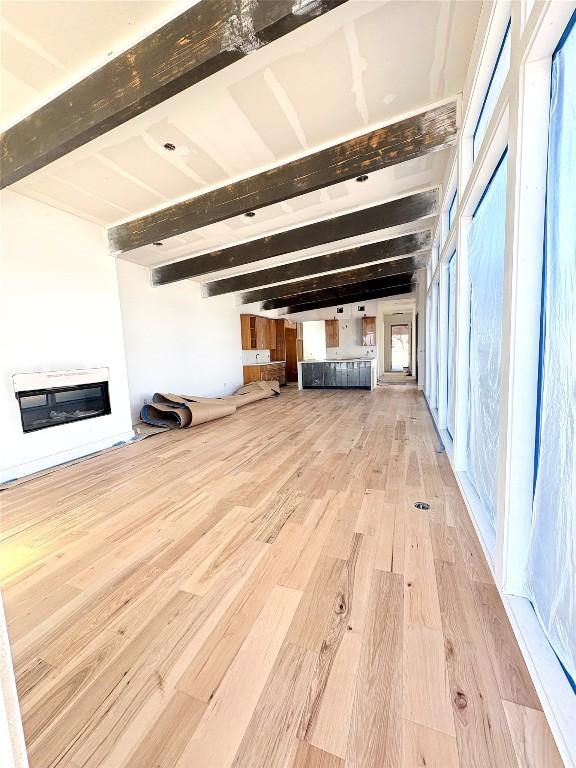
(169, 122)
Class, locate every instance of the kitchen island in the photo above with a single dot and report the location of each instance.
(349, 373)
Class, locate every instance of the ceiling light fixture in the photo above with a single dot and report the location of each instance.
(362, 178)
(250, 214)
(169, 146)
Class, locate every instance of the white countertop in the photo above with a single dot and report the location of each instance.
(343, 360)
(270, 362)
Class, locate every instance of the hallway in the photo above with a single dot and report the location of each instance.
(264, 593)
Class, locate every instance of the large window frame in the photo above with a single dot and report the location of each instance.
(519, 121)
(497, 79)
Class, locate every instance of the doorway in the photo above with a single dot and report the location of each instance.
(400, 347)
(291, 355)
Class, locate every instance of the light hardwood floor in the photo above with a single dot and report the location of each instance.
(261, 592)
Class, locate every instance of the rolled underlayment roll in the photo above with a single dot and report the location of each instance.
(182, 411)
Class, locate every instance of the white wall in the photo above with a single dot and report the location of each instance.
(350, 327)
(59, 310)
(12, 745)
(314, 340)
(329, 313)
(175, 340)
(350, 338)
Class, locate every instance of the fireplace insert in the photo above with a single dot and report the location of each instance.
(42, 408)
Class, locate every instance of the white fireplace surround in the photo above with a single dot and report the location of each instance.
(27, 382)
(68, 324)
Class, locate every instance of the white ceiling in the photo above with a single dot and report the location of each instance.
(47, 45)
(364, 64)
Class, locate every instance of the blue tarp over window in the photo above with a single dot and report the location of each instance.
(486, 265)
(552, 557)
(451, 343)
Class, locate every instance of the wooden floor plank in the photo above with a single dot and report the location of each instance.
(164, 743)
(221, 729)
(327, 715)
(308, 756)
(268, 599)
(533, 742)
(511, 672)
(426, 748)
(269, 738)
(376, 730)
(481, 729)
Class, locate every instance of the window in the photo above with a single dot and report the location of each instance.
(497, 79)
(552, 552)
(452, 209)
(432, 357)
(435, 253)
(436, 310)
(486, 267)
(438, 369)
(451, 343)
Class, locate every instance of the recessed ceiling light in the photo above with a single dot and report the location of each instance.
(157, 244)
(250, 214)
(169, 146)
(362, 178)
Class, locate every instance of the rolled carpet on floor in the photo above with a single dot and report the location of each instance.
(183, 411)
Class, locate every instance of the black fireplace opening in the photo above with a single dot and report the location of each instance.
(42, 408)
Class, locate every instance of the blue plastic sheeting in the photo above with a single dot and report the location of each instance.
(451, 343)
(497, 80)
(486, 265)
(552, 555)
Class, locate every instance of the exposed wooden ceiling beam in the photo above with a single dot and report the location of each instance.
(199, 42)
(413, 137)
(339, 293)
(402, 273)
(393, 213)
(356, 299)
(383, 251)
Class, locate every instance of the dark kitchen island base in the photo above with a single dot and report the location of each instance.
(357, 373)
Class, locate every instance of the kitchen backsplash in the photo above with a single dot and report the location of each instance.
(254, 356)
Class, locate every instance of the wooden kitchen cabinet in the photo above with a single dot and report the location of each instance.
(265, 372)
(278, 352)
(245, 330)
(262, 341)
(254, 332)
(272, 333)
(369, 331)
(332, 329)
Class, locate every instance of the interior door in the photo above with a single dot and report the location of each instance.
(291, 356)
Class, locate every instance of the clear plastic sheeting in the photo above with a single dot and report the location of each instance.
(437, 359)
(486, 265)
(451, 343)
(434, 338)
(552, 555)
